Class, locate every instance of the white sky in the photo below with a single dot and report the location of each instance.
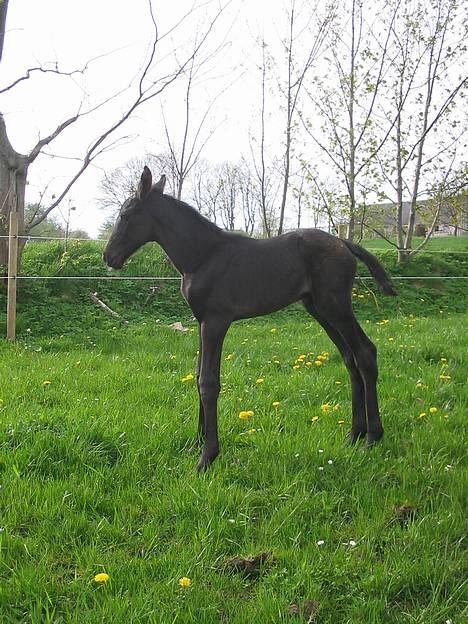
(71, 33)
(120, 32)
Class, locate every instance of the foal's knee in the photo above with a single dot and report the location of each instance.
(209, 388)
(367, 361)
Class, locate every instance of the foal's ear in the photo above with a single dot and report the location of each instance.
(159, 186)
(146, 181)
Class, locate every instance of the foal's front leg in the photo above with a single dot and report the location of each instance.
(201, 411)
(212, 332)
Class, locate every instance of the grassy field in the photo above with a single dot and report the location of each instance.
(436, 243)
(97, 476)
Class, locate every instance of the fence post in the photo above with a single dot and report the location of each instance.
(342, 230)
(12, 270)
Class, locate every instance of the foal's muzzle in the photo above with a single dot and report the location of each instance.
(114, 263)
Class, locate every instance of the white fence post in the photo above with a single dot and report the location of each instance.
(12, 270)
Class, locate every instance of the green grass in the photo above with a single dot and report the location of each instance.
(436, 243)
(97, 474)
(60, 306)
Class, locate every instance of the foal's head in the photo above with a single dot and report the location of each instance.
(133, 226)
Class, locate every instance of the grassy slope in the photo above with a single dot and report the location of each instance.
(436, 243)
(62, 306)
(97, 474)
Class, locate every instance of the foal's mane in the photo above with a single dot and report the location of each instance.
(190, 214)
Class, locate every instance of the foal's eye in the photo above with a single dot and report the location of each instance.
(124, 216)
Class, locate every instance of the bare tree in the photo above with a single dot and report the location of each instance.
(14, 166)
(347, 100)
(249, 207)
(118, 184)
(196, 126)
(259, 154)
(312, 27)
(425, 90)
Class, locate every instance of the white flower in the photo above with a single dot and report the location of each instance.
(330, 461)
(320, 542)
(352, 543)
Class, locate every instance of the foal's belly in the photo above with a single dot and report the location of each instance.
(263, 287)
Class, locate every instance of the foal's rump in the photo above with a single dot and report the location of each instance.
(332, 261)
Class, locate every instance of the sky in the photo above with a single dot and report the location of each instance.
(116, 36)
(112, 39)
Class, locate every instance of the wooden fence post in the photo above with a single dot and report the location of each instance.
(342, 230)
(12, 270)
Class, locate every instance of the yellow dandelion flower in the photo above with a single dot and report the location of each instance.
(318, 362)
(341, 422)
(443, 360)
(308, 364)
(422, 414)
(314, 418)
(229, 356)
(188, 377)
(102, 577)
(260, 380)
(338, 382)
(301, 358)
(185, 581)
(244, 414)
(433, 410)
(296, 366)
(444, 377)
(250, 431)
(275, 403)
(273, 330)
(46, 382)
(325, 407)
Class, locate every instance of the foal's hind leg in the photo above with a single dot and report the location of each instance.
(359, 424)
(335, 305)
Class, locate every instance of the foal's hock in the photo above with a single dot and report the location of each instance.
(228, 276)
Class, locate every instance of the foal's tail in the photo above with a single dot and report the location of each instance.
(376, 269)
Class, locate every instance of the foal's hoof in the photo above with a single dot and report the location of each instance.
(206, 459)
(374, 436)
(355, 436)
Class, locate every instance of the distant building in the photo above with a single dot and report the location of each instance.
(452, 220)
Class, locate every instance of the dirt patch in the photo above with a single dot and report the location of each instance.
(307, 610)
(403, 514)
(248, 566)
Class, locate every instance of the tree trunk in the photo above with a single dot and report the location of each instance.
(13, 174)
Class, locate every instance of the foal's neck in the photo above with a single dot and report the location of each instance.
(187, 238)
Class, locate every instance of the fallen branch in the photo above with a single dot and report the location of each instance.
(105, 307)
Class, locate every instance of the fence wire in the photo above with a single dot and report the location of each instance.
(158, 278)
